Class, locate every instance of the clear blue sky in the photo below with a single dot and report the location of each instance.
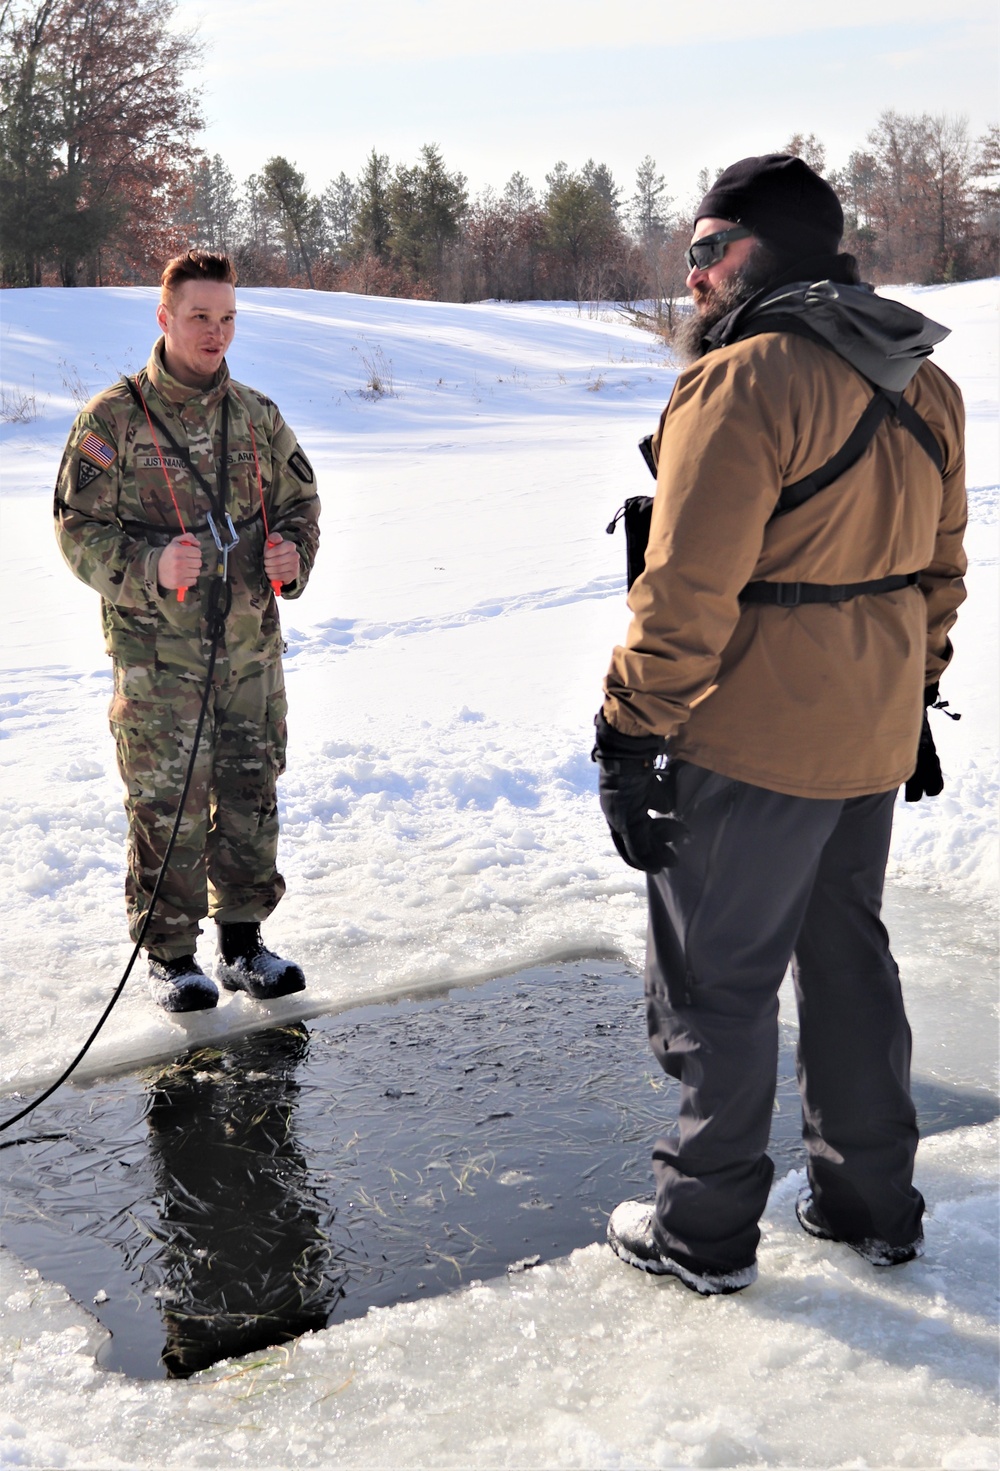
(518, 85)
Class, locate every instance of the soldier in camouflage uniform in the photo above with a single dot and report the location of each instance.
(151, 465)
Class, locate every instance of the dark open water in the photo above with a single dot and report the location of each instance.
(246, 1193)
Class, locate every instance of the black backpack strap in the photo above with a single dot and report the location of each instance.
(863, 432)
(879, 407)
(921, 431)
(876, 410)
(637, 510)
(792, 594)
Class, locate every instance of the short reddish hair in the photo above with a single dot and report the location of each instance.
(196, 265)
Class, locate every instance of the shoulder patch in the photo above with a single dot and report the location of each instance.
(86, 473)
(98, 450)
(300, 466)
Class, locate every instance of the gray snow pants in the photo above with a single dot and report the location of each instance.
(764, 878)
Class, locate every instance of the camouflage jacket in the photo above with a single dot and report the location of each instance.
(114, 513)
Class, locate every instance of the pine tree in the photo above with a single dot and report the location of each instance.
(519, 194)
(215, 205)
(31, 199)
(373, 226)
(340, 212)
(598, 176)
(581, 229)
(426, 206)
(648, 208)
(298, 213)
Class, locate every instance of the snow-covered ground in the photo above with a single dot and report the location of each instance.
(439, 823)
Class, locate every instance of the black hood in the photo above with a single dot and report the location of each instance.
(884, 340)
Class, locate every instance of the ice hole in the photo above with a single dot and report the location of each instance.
(242, 1195)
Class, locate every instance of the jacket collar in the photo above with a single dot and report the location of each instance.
(173, 392)
(882, 339)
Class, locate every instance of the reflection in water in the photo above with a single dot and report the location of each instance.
(244, 1261)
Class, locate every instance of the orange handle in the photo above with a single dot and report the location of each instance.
(189, 541)
(276, 582)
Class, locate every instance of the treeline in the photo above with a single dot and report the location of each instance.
(413, 230)
(101, 179)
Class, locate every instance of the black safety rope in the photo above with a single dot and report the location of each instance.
(216, 628)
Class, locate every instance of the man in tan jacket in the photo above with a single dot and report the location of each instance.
(803, 569)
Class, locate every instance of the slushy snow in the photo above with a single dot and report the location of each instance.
(439, 824)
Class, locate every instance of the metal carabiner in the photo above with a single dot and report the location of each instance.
(224, 550)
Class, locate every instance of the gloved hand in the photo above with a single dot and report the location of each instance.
(926, 780)
(630, 788)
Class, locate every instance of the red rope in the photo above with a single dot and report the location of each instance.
(159, 455)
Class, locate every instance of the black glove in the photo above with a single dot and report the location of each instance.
(630, 787)
(926, 780)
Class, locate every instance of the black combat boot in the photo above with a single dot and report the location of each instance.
(244, 964)
(180, 984)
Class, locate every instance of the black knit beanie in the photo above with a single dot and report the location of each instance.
(783, 201)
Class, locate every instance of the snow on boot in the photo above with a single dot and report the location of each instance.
(180, 984)
(878, 1252)
(630, 1236)
(245, 964)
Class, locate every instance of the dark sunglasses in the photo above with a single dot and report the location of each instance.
(710, 249)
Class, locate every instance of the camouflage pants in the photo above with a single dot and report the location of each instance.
(223, 863)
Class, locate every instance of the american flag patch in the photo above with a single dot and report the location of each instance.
(95, 449)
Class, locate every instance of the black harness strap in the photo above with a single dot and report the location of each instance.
(637, 510)
(216, 501)
(881, 405)
(921, 431)
(151, 530)
(876, 410)
(792, 594)
(223, 476)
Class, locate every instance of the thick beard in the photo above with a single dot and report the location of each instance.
(715, 302)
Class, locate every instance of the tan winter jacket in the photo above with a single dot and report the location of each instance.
(823, 700)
